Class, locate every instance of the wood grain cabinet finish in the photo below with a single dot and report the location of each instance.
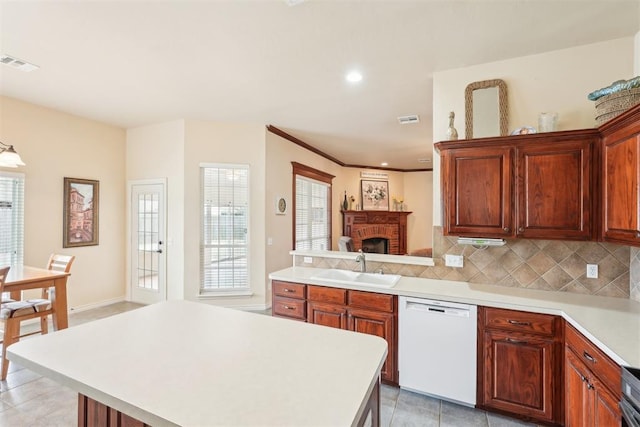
(592, 384)
(555, 190)
(532, 186)
(478, 195)
(366, 312)
(519, 364)
(620, 171)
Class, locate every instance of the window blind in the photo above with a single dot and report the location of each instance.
(312, 214)
(224, 252)
(11, 218)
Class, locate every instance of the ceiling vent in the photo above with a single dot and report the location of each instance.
(405, 120)
(18, 63)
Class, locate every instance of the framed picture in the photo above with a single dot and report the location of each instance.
(375, 195)
(80, 216)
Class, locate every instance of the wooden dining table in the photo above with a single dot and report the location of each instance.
(23, 277)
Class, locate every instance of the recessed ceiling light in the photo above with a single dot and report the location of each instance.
(354, 77)
(384, 164)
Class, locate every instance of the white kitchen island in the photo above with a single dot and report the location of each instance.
(190, 364)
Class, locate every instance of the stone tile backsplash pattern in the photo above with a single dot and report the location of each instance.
(551, 265)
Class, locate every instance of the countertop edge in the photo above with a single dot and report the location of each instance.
(566, 305)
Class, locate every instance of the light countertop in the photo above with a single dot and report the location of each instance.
(192, 364)
(613, 324)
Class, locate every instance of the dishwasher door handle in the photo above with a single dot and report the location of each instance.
(437, 309)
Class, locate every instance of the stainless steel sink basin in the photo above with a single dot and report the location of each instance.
(355, 278)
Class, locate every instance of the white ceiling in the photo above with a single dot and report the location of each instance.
(136, 63)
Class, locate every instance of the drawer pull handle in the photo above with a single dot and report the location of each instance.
(589, 357)
(519, 323)
(512, 341)
(288, 307)
(287, 290)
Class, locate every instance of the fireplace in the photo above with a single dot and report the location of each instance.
(375, 245)
(390, 226)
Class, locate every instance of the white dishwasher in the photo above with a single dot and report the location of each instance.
(437, 348)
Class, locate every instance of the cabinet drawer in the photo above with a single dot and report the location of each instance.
(325, 294)
(289, 290)
(371, 300)
(607, 371)
(520, 321)
(288, 307)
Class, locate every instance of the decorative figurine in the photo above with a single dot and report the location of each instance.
(452, 133)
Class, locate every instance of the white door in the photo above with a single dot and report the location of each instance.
(148, 253)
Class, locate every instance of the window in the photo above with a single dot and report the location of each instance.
(312, 213)
(224, 251)
(11, 218)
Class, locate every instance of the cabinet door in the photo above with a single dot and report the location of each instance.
(576, 398)
(478, 194)
(382, 325)
(620, 190)
(325, 314)
(605, 406)
(554, 191)
(518, 374)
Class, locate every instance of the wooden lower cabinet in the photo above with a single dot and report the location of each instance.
(92, 413)
(520, 364)
(592, 384)
(365, 312)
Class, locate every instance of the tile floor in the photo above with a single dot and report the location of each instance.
(28, 399)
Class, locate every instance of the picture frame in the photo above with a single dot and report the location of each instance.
(80, 212)
(281, 205)
(375, 195)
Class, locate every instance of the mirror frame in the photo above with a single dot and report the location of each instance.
(503, 106)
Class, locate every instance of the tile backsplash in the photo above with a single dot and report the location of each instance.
(553, 265)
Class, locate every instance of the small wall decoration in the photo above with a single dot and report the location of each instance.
(281, 205)
(375, 195)
(81, 208)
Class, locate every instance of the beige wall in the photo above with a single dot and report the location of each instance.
(157, 152)
(553, 81)
(211, 142)
(416, 187)
(55, 145)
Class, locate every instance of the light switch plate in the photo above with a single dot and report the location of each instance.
(454, 260)
(592, 271)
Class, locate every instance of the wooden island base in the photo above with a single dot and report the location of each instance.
(95, 414)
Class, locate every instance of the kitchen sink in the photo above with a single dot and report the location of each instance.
(355, 278)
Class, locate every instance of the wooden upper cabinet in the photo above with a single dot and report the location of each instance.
(478, 191)
(554, 187)
(532, 186)
(620, 189)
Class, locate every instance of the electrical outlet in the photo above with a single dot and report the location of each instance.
(592, 271)
(454, 260)
(307, 260)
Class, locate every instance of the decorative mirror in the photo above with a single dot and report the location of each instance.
(486, 109)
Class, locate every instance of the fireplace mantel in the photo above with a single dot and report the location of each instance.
(392, 225)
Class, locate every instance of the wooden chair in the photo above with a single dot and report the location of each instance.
(57, 262)
(14, 312)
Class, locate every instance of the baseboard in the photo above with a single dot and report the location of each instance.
(86, 307)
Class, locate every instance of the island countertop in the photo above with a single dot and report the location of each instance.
(191, 364)
(613, 324)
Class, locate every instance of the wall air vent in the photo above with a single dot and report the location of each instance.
(405, 120)
(17, 63)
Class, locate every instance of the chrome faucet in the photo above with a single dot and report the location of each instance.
(363, 262)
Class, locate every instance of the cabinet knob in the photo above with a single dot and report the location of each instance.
(520, 229)
(583, 378)
(512, 341)
(590, 386)
(637, 234)
(506, 229)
